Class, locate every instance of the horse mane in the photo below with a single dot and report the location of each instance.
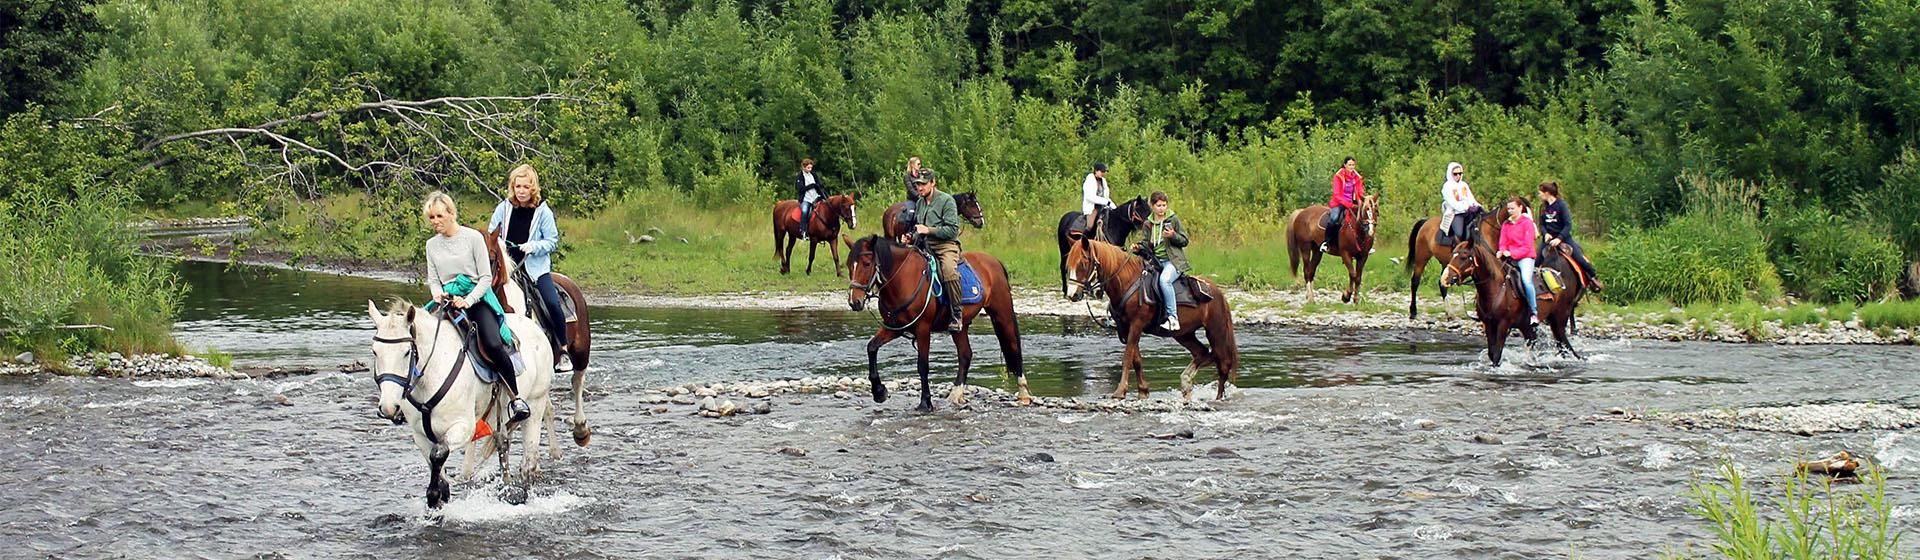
(397, 305)
(882, 248)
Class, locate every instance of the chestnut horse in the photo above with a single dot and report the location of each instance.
(823, 228)
(1502, 306)
(1116, 270)
(509, 277)
(901, 278)
(1423, 244)
(1118, 223)
(969, 207)
(1304, 235)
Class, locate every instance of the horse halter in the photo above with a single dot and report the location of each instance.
(1466, 272)
(413, 364)
(1091, 284)
(873, 283)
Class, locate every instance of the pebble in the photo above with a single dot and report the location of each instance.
(25, 358)
(763, 407)
(1039, 457)
(1424, 424)
(792, 451)
(1488, 439)
(1222, 453)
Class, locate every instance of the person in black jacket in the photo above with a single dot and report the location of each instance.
(1556, 233)
(810, 192)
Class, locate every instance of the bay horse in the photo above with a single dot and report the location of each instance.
(1423, 244)
(823, 228)
(1304, 234)
(508, 279)
(901, 278)
(1115, 271)
(1116, 224)
(418, 361)
(969, 206)
(1502, 306)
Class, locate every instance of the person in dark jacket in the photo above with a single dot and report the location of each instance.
(1166, 239)
(937, 224)
(1556, 229)
(810, 192)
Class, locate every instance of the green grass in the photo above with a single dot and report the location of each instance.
(217, 358)
(1809, 518)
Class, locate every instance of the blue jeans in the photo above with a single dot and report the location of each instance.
(1526, 282)
(556, 317)
(1168, 275)
(806, 216)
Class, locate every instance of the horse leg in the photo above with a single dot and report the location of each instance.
(438, 491)
(964, 348)
(1126, 358)
(1560, 336)
(1007, 330)
(1353, 280)
(835, 247)
(1313, 265)
(1496, 340)
(873, 355)
(1201, 357)
(582, 432)
(538, 422)
(813, 246)
(921, 343)
(1413, 292)
(1139, 368)
(786, 258)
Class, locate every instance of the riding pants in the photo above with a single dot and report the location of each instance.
(1332, 224)
(1579, 256)
(1169, 275)
(556, 316)
(948, 252)
(488, 324)
(1526, 283)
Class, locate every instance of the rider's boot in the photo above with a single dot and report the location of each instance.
(954, 325)
(1172, 324)
(519, 406)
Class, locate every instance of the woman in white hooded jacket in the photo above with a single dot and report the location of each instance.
(1456, 201)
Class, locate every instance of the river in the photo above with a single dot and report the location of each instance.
(1339, 444)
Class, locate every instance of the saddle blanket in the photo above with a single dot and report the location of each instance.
(970, 290)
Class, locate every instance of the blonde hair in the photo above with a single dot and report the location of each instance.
(439, 198)
(533, 178)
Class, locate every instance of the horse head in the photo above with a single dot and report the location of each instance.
(1465, 263)
(395, 356)
(970, 209)
(843, 208)
(1083, 268)
(863, 270)
(496, 258)
(1369, 214)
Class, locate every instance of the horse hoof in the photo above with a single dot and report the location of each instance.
(924, 407)
(879, 393)
(1025, 401)
(582, 436)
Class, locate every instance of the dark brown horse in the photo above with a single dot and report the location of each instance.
(968, 204)
(1424, 245)
(1502, 306)
(1304, 235)
(1116, 271)
(901, 278)
(516, 296)
(824, 227)
(1115, 225)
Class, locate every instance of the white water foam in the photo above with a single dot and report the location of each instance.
(1893, 450)
(483, 506)
(1432, 532)
(136, 402)
(170, 383)
(1661, 455)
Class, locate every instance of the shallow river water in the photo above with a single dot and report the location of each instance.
(1326, 450)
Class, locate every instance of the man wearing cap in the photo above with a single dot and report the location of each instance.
(937, 221)
(1094, 197)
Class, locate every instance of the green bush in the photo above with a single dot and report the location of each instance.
(1814, 518)
(72, 260)
(1829, 258)
(1694, 258)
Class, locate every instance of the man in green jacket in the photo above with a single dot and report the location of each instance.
(937, 222)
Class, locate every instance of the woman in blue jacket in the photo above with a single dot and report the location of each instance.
(532, 236)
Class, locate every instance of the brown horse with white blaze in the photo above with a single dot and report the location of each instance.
(1115, 271)
(902, 279)
(824, 227)
(513, 295)
(1502, 306)
(1304, 235)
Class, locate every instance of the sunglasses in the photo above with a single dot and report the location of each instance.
(1458, 173)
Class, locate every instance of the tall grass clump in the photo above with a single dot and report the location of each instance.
(1715, 252)
(75, 280)
(1810, 518)
(1830, 258)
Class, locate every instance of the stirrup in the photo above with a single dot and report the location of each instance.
(520, 409)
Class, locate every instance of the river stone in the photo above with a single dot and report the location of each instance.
(792, 451)
(759, 393)
(1222, 453)
(1424, 424)
(1488, 439)
(25, 358)
(1039, 457)
(115, 356)
(727, 408)
(682, 399)
(705, 392)
(762, 407)
(708, 403)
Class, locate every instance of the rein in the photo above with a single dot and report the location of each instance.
(878, 281)
(415, 374)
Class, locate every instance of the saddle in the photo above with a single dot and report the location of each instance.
(1546, 279)
(971, 292)
(476, 356)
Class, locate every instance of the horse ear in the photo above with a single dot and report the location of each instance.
(410, 312)
(373, 312)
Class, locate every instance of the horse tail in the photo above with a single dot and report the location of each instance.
(1413, 242)
(1226, 346)
(1293, 245)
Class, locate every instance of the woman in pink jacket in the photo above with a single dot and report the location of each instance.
(1516, 242)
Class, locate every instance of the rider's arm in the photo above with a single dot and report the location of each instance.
(1090, 192)
(1179, 238)
(433, 275)
(946, 221)
(1453, 198)
(546, 235)
(499, 215)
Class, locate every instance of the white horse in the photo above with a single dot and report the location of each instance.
(421, 372)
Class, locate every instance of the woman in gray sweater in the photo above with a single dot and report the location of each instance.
(460, 274)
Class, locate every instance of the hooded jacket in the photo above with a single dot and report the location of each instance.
(1455, 197)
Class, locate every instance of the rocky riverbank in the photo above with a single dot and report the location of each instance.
(150, 366)
(717, 399)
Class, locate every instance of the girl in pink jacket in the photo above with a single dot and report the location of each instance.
(1516, 242)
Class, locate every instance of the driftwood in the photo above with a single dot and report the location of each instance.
(1839, 465)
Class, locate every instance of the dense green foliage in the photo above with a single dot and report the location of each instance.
(70, 257)
(43, 43)
(1239, 109)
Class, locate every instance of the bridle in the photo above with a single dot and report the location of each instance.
(874, 283)
(415, 374)
(1467, 272)
(1091, 284)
